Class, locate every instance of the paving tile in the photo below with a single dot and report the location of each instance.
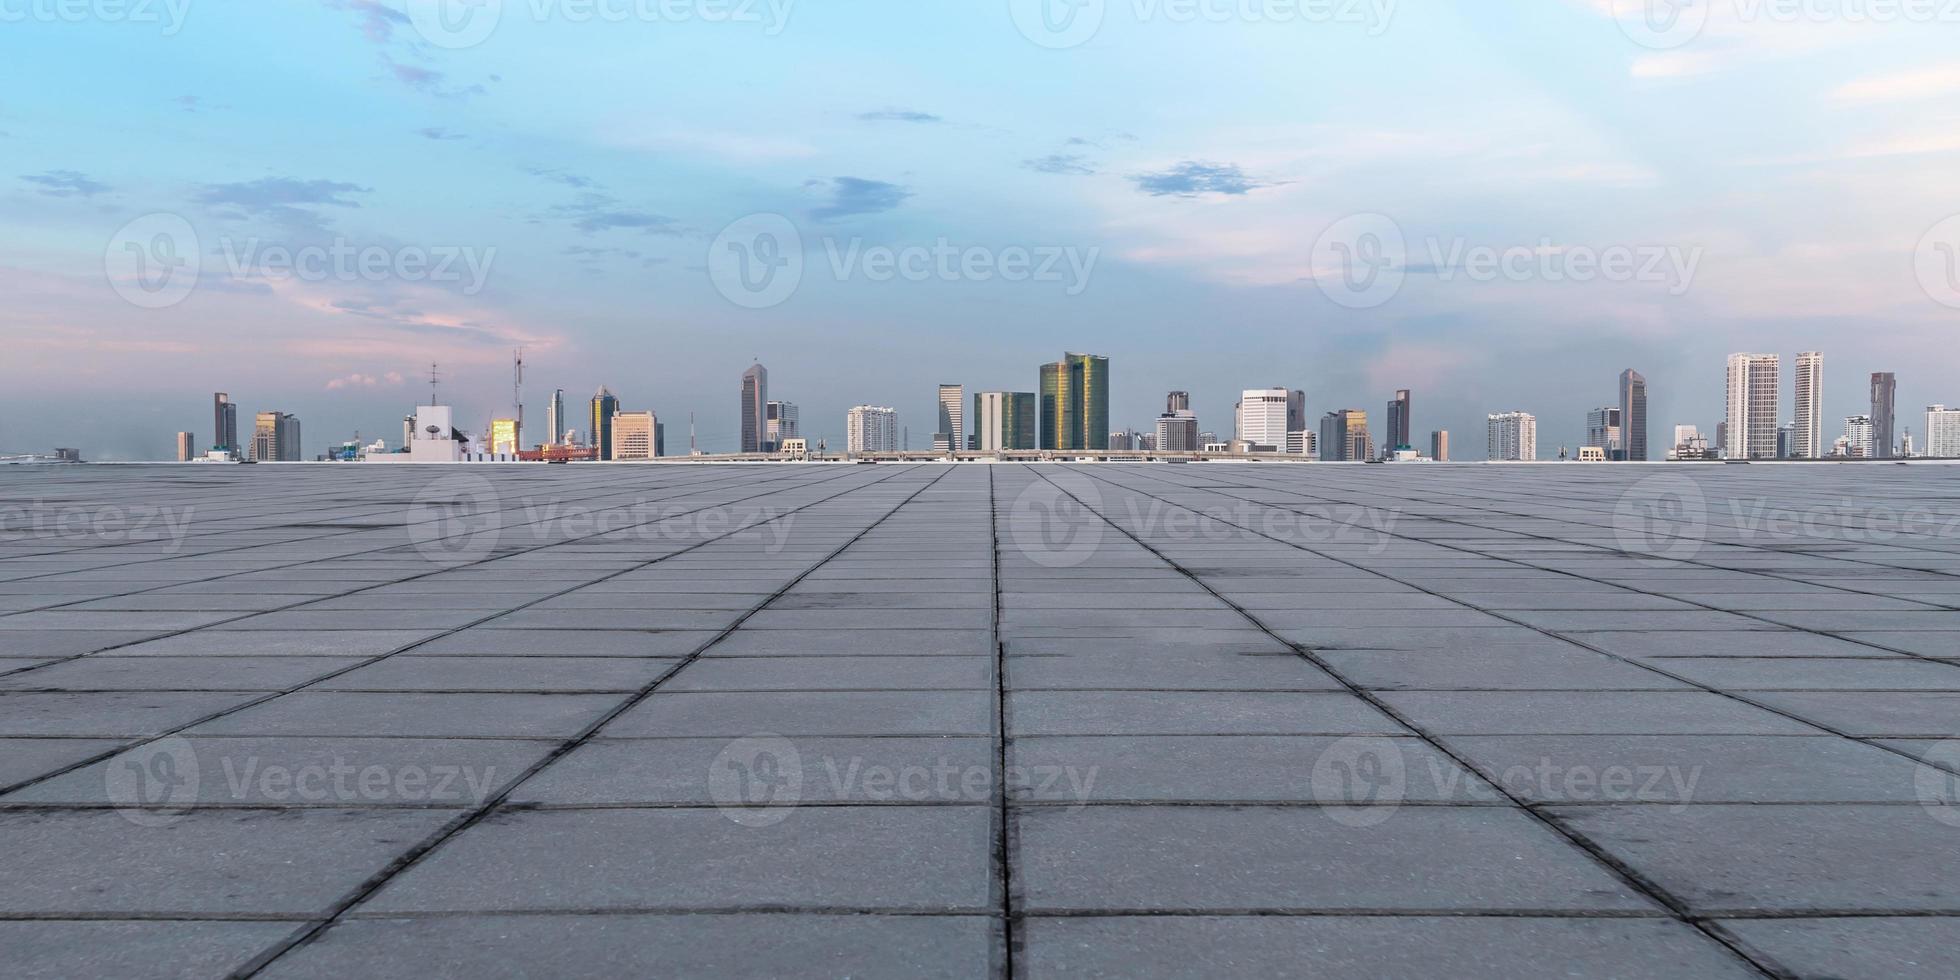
(1194, 713)
(111, 715)
(54, 949)
(1683, 769)
(835, 673)
(1587, 713)
(808, 713)
(1916, 948)
(101, 672)
(564, 674)
(563, 643)
(812, 770)
(1775, 673)
(1230, 768)
(1470, 670)
(1897, 714)
(310, 643)
(413, 715)
(27, 758)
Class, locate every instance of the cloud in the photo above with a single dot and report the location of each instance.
(189, 103)
(856, 195)
(1900, 87)
(427, 80)
(358, 380)
(377, 21)
(1190, 178)
(562, 177)
(65, 183)
(440, 133)
(1060, 163)
(899, 115)
(285, 200)
(601, 212)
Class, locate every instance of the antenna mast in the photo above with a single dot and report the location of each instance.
(517, 390)
(690, 435)
(435, 378)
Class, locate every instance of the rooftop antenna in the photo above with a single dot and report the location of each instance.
(435, 378)
(517, 390)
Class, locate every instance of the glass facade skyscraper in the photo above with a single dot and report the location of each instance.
(1075, 403)
(604, 407)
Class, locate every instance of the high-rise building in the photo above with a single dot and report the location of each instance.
(224, 424)
(1858, 435)
(186, 447)
(1786, 440)
(634, 436)
(1439, 445)
(951, 433)
(1003, 420)
(1262, 419)
(1722, 439)
(1513, 437)
(1177, 431)
(782, 423)
(1633, 416)
(1296, 410)
(275, 438)
(1942, 431)
(1075, 403)
(1397, 434)
(1752, 416)
(1885, 393)
(1807, 433)
(554, 418)
(1177, 401)
(1300, 442)
(871, 429)
(599, 436)
(1120, 441)
(755, 408)
(1603, 430)
(503, 437)
(1344, 436)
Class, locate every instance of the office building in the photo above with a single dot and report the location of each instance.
(1752, 401)
(1396, 436)
(1003, 420)
(1177, 431)
(1119, 442)
(1262, 418)
(224, 424)
(275, 438)
(1300, 442)
(1858, 435)
(1942, 431)
(951, 433)
(1344, 436)
(781, 423)
(1513, 437)
(1074, 395)
(1603, 430)
(1177, 401)
(1439, 445)
(1633, 416)
(186, 447)
(554, 418)
(504, 437)
(599, 436)
(755, 408)
(634, 436)
(1807, 433)
(1296, 410)
(1786, 440)
(1885, 393)
(871, 429)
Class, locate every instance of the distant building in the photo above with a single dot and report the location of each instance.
(275, 438)
(951, 434)
(186, 447)
(1344, 436)
(1603, 430)
(755, 408)
(1633, 416)
(1512, 437)
(781, 423)
(604, 407)
(1396, 435)
(1003, 420)
(1858, 432)
(504, 437)
(1592, 454)
(1752, 401)
(224, 424)
(634, 436)
(1177, 430)
(1262, 418)
(1942, 431)
(1807, 432)
(554, 418)
(1177, 401)
(1439, 445)
(871, 429)
(1722, 439)
(1120, 441)
(1786, 441)
(1885, 393)
(1300, 442)
(1074, 396)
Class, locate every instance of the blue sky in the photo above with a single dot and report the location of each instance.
(1182, 170)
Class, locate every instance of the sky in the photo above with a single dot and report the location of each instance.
(1497, 205)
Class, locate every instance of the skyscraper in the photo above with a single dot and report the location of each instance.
(1513, 437)
(1344, 436)
(1075, 403)
(604, 407)
(1603, 430)
(1752, 398)
(755, 408)
(634, 436)
(1942, 431)
(1885, 393)
(783, 423)
(224, 424)
(1003, 420)
(871, 429)
(1177, 432)
(1633, 416)
(186, 447)
(1263, 419)
(1397, 434)
(1807, 434)
(275, 438)
(504, 436)
(951, 434)
(1177, 401)
(554, 418)
(1439, 445)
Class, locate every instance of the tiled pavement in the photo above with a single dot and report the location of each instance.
(937, 720)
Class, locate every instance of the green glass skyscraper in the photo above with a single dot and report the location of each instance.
(1075, 403)
(604, 407)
